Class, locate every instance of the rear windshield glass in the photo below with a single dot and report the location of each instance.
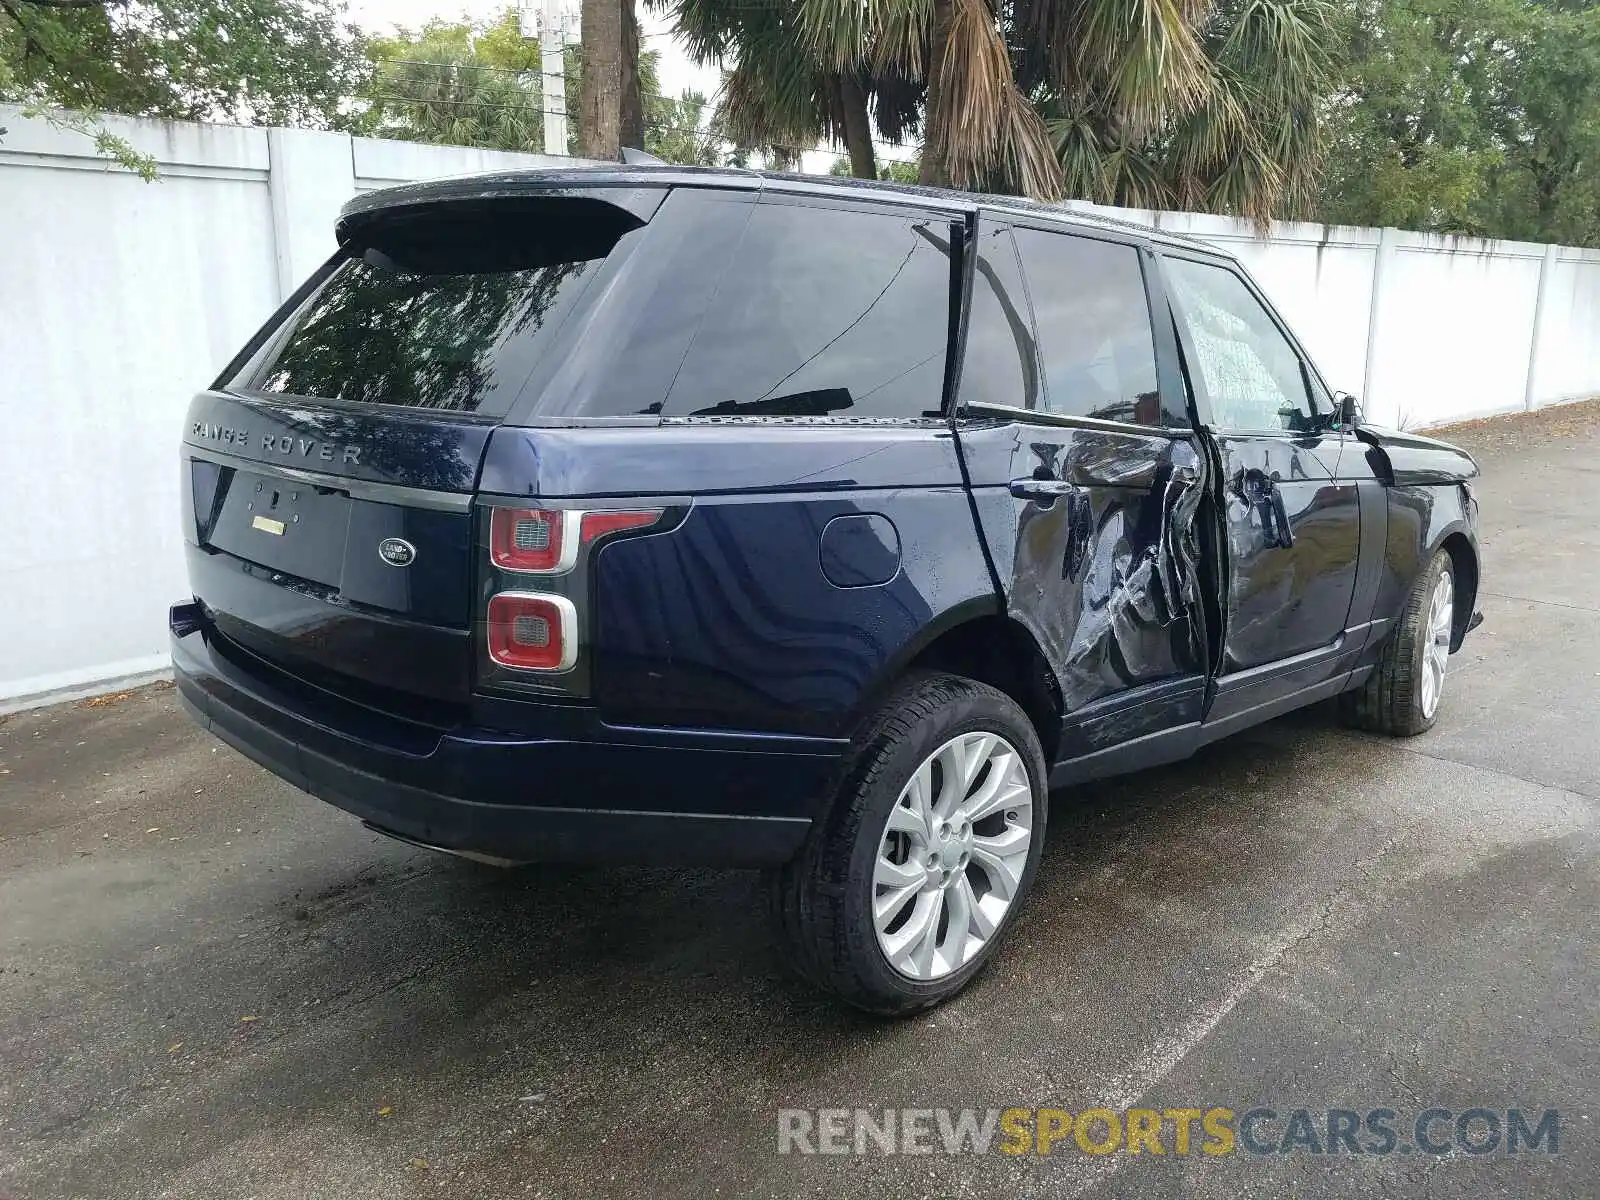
(445, 312)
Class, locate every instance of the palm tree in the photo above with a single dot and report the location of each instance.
(610, 111)
(780, 97)
(1204, 103)
(456, 83)
(1224, 118)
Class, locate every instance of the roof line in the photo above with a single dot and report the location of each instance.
(501, 183)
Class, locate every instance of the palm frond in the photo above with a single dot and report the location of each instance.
(905, 30)
(839, 32)
(988, 126)
(1146, 56)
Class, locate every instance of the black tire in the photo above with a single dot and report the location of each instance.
(821, 902)
(1390, 701)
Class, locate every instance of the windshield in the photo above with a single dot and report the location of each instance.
(446, 312)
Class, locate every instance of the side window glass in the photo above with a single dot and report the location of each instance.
(1001, 363)
(1250, 371)
(1095, 336)
(824, 312)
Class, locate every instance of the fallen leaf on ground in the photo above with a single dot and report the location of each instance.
(103, 701)
(385, 1110)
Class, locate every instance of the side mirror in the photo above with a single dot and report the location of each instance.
(1347, 411)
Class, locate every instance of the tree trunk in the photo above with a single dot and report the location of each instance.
(934, 170)
(600, 88)
(631, 120)
(857, 128)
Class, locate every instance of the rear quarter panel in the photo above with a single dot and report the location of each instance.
(813, 560)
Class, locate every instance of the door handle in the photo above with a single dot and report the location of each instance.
(1262, 493)
(1044, 491)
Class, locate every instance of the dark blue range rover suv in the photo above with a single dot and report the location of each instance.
(658, 515)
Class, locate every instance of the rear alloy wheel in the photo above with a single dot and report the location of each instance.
(1402, 695)
(901, 895)
(952, 857)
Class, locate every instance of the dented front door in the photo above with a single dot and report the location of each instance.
(1089, 519)
(1291, 517)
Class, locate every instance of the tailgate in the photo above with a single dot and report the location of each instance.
(345, 580)
(330, 472)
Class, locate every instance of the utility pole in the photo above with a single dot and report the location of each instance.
(553, 59)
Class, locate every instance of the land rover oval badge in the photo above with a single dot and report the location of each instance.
(397, 552)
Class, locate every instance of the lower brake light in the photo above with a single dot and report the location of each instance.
(530, 631)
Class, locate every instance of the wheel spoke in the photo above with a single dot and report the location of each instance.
(1006, 786)
(1011, 841)
(977, 749)
(928, 944)
(905, 819)
(911, 946)
(919, 796)
(952, 780)
(985, 913)
(887, 906)
(898, 875)
(959, 904)
(1443, 606)
(1436, 649)
(1004, 870)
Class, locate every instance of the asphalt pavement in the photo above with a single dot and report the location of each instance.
(212, 985)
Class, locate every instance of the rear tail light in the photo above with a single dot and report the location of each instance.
(535, 586)
(532, 632)
(598, 524)
(531, 539)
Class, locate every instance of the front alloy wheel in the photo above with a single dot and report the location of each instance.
(1401, 695)
(1436, 649)
(907, 886)
(952, 856)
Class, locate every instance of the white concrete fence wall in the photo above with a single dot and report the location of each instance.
(119, 299)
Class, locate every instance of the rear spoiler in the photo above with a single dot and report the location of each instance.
(635, 190)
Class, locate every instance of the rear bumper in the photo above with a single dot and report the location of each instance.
(627, 796)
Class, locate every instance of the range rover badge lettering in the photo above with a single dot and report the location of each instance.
(397, 552)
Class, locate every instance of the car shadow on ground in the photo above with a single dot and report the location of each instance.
(585, 950)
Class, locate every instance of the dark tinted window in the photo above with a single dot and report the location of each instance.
(1094, 328)
(447, 312)
(823, 312)
(1001, 363)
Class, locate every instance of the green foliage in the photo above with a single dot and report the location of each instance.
(457, 83)
(798, 76)
(264, 62)
(1471, 116)
(1244, 136)
(480, 84)
(890, 170)
(1146, 102)
(684, 130)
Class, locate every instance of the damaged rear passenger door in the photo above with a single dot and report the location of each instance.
(1086, 476)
